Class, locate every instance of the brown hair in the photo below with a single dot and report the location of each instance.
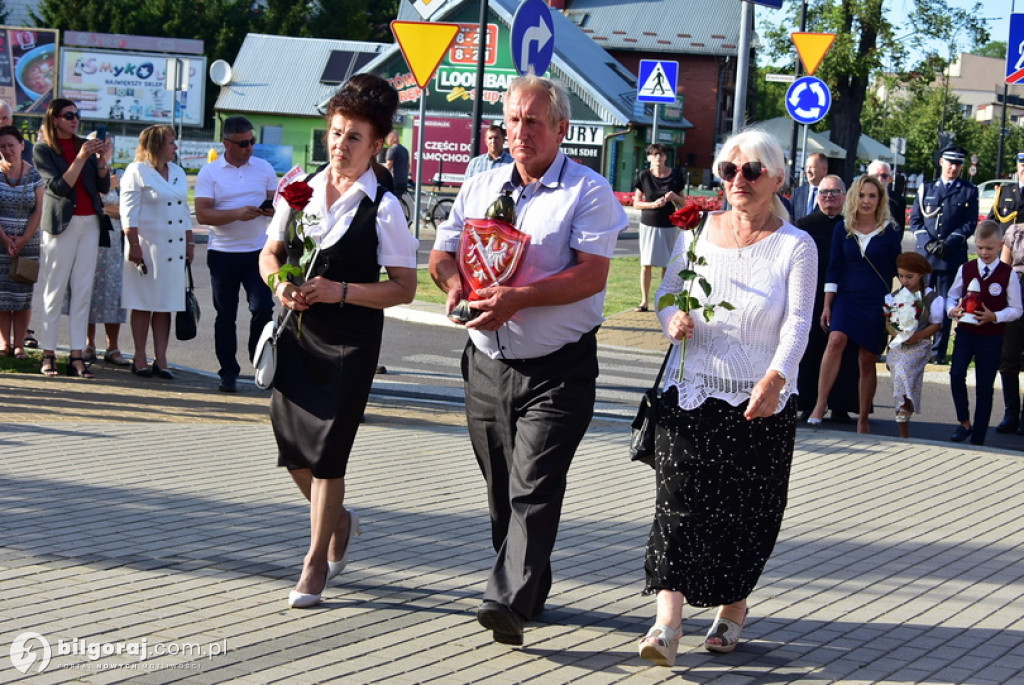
(12, 131)
(988, 229)
(366, 97)
(914, 263)
(49, 130)
(151, 140)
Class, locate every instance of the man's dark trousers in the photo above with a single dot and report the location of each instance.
(230, 271)
(526, 418)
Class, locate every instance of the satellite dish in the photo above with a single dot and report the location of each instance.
(220, 72)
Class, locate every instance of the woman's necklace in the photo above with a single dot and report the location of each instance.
(165, 171)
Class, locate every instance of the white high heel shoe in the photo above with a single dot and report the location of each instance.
(354, 530)
(301, 600)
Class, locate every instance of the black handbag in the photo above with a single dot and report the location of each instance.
(186, 322)
(641, 442)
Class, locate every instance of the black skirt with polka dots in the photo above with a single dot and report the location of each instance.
(722, 484)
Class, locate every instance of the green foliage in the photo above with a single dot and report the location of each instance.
(866, 44)
(995, 48)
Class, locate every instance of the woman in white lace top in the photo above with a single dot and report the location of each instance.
(726, 430)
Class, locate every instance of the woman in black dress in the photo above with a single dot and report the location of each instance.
(327, 352)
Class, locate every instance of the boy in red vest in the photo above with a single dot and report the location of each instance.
(980, 336)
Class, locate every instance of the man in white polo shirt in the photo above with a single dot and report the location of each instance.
(230, 196)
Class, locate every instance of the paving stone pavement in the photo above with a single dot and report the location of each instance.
(152, 513)
(897, 563)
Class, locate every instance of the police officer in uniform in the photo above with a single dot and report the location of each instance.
(943, 218)
(1009, 199)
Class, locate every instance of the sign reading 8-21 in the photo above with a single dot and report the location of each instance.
(466, 46)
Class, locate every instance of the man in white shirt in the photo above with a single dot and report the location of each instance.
(495, 156)
(530, 367)
(233, 197)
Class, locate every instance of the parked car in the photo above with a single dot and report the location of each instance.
(987, 195)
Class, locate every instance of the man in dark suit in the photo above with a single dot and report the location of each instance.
(804, 196)
(897, 203)
(943, 218)
(844, 397)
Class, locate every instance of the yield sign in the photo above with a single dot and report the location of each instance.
(812, 48)
(423, 46)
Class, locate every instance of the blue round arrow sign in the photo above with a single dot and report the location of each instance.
(808, 100)
(533, 37)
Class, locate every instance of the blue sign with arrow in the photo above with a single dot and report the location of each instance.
(808, 100)
(533, 37)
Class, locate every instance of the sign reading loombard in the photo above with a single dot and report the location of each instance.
(131, 86)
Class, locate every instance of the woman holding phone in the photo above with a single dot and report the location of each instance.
(158, 226)
(75, 172)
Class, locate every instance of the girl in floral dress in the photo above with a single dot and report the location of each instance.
(907, 360)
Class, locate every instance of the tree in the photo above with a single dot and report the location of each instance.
(865, 43)
(995, 48)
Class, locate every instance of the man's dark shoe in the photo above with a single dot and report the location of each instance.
(1020, 429)
(506, 625)
(841, 417)
(960, 434)
(227, 385)
(1008, 425)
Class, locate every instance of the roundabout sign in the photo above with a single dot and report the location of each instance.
(808, 100)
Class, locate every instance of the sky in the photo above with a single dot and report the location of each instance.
(996, 11)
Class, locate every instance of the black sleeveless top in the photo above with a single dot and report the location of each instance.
(353, 259)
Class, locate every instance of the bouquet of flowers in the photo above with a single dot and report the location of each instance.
(902, 310)
(689, 218)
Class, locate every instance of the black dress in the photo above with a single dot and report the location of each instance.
(324, 372)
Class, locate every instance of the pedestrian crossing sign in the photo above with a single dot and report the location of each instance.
(657, 81)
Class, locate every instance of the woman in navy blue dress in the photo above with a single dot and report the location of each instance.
(861, 267)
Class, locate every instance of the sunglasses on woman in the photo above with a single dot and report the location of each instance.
(70, 116)
(751, 171)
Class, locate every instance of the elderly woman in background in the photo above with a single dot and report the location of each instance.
(727, 423)
(656, 189)
(860, 274)
(76, 175)
(21, 200)
(158, 228)
(328, 350)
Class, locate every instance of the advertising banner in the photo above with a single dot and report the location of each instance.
(28, 68)
(131, 86)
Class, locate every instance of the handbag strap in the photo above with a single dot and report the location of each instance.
(289, 313)
(661, 371)
(188, 272)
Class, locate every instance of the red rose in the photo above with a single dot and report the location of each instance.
(686, 218)
(297, 194)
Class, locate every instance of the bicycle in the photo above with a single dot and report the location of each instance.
(435, 206)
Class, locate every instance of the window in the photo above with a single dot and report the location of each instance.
(319, 155)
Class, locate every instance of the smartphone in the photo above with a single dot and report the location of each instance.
(101, 132)
(267, 204)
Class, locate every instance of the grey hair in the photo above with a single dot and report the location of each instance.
(558, 98)
(876, 165)
(236, 124)
(763, 147)
(833, 177)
